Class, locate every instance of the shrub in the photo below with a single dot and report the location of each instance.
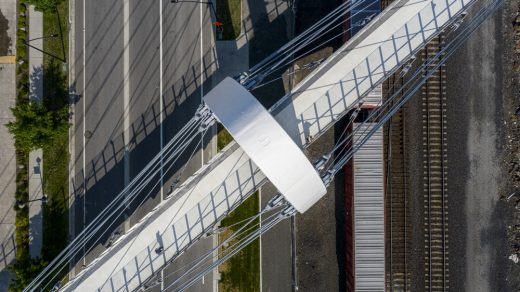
(22, 8)
(23, 87)
(22, 22)
(20, 45)
(24, 67)
(35, 126)
(24, 270)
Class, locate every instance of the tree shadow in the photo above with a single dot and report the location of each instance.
(5, 40)
(55, 94)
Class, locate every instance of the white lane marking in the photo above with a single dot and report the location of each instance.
(201, 79)
(84, 125)
(72, 129)
(161, 106)
(126, 92)
(260, 237)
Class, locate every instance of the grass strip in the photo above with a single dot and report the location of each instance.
(242, 271)
(56, 154)
(55, 33)
(229, 12)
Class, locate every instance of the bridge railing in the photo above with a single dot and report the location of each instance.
(244, 178)
(378, 66)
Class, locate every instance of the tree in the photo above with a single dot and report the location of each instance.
(24, 271)
(35, 126)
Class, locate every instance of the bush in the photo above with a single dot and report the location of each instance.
(25, 270)
(35, 126)
(24, 68)
(22, 22)
(23, 87)
(22, 8)
(20, 45)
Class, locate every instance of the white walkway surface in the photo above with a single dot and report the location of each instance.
(358, 67)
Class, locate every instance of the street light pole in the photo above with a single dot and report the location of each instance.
(40, 50)
(44, 37)
(22, 205)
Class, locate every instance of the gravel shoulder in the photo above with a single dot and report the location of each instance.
(478, 89)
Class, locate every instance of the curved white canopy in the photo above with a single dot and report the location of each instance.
(266, 143)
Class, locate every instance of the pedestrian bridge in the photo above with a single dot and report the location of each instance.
(314, 105)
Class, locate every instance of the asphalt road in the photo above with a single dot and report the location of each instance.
(120, 120)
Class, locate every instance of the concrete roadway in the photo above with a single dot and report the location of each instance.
(120, 122)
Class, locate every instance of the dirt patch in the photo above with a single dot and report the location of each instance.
(511, 154)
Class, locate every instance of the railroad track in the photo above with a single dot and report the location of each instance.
(434, 176)
(397, 208)
(397, 222)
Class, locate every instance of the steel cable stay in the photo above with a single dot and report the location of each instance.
(292, 43)
(428, 68)
(430, 65)
(356, 111)
(250, 78)
(175, 147)
(274, 203)
(228, 243)
(343, 141)
(74, 251)
(360, 101)
(375, 114)
(229, 252)
(87, 234)
(320, 32)
(157, 183)
(447, 50)
(284, 62)
(405, 69)
(284, 214)
(242, 230)
(280, 65)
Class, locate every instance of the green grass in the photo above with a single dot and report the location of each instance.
(55, 156)
(55, 184)
(223, 137)
(229, 12)
(51, 25)
(242, 271)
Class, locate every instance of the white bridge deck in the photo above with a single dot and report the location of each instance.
(316, 103)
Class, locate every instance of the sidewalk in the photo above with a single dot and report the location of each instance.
(35, 157)
(7, 152)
